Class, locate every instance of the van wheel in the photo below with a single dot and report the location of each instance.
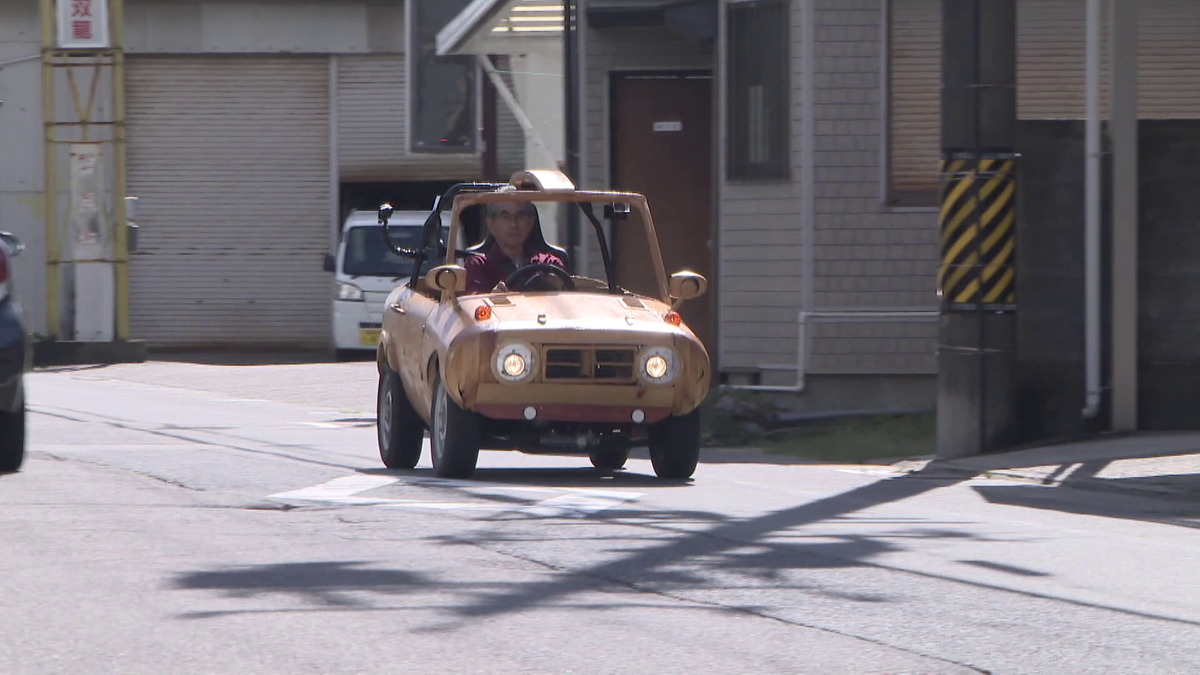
(12, 439)
(675, 446)
(454, 437)
(398, 427)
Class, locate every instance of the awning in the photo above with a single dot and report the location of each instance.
(504, 27)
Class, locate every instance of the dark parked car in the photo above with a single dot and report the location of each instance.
(15, 360)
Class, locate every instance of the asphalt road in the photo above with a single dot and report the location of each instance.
(178, 518)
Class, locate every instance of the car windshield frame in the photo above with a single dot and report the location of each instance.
(587, 201)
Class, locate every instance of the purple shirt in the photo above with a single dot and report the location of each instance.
(487, 270)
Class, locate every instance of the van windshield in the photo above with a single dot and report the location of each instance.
(368, 256)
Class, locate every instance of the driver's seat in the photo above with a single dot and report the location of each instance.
(536, 238)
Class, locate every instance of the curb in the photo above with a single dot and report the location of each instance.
(66, 353)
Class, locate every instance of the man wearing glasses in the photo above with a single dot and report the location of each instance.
(510, 226)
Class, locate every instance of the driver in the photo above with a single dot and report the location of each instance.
(509, 225)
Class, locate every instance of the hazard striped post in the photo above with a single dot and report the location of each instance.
(978, 222)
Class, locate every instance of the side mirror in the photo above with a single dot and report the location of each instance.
(616, 211)
(330, 266)
(452, 278)
(687, 285)
(12, 243)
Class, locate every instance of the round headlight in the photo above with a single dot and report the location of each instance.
(656, 367)
(514, 363)
(659, 365)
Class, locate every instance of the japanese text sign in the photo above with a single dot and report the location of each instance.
(82, 24)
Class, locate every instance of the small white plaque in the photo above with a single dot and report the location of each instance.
(668, 126)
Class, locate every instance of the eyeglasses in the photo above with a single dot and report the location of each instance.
(506, 217)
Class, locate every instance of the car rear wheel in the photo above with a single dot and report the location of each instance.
(12, 440)
(455, 436)
(675, 446)
(398, 427)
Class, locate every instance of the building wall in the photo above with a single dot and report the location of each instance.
(21, 166)
(625, 49)
(867, 256)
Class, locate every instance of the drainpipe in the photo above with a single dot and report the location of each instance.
(1092, 215)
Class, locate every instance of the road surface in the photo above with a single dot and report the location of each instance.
(181, 518)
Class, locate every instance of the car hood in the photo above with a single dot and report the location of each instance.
(573, 310)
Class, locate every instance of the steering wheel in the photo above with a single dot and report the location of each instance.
(539, 268)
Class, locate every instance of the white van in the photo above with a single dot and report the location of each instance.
(366, 272)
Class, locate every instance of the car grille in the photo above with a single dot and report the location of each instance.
(587, 364)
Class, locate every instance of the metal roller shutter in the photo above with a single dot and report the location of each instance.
(372, 111)
(230, 159)
(915, 43)
(1052, 50)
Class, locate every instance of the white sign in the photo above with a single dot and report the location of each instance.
(668, 126)
(82, 24)
(87, 221)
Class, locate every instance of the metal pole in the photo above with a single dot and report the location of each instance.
(1092, 215)
(50, 176)
(116, 16)
(1124, 129)
(571, 123)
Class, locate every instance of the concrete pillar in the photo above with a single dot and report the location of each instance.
(1124, 130)
(977, 279)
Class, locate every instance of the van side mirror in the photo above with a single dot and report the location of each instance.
(330, 265)
(13, 243)
(687, 285)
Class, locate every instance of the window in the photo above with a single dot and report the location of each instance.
(914, 101)
(443, 91)
(758, 135)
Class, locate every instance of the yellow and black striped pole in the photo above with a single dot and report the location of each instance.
(978, 233)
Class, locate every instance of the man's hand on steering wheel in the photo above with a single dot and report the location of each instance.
(522, 277)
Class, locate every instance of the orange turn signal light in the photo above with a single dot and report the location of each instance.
(483, 313)
(674, 319)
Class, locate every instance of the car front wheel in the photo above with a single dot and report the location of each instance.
(455, 436)
(675, 446)
(398, 427)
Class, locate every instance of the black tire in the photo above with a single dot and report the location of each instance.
(398, 427)
(675, 446)
(610, 456)
(12, 440)
(454, 436)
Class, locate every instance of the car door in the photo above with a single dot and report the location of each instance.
(408, 310)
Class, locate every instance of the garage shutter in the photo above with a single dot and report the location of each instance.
(230, 159)
(916, 101)
(1052, 51)
(372, 110)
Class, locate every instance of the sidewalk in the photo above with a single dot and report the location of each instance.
(1152, 464)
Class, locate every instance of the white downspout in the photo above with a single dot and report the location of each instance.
(1092, 215)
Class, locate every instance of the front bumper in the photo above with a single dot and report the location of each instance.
(356, 325)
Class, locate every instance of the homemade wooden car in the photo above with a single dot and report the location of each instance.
(576, 366)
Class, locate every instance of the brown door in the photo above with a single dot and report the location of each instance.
(662, 147)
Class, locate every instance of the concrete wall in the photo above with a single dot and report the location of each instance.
(264, 26)
(21, 164)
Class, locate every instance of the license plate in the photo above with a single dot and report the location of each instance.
(368, 337)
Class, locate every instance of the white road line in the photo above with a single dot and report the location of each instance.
(567, 502)
(238, 400)
(321, 425)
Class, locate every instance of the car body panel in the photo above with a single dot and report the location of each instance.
(429, 333)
